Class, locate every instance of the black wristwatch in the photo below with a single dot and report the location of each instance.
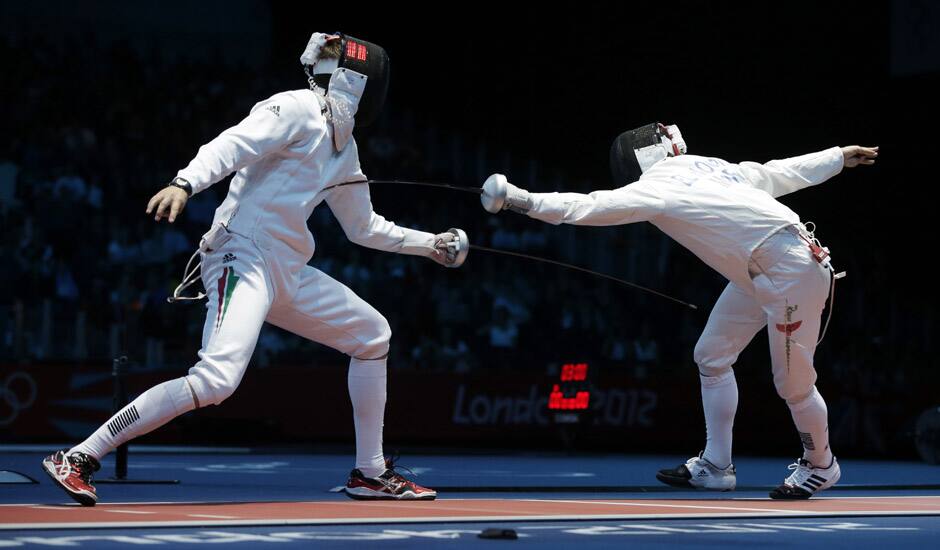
(182, 184)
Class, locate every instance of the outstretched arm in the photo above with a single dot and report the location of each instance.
(352, 206)
(633, 203)
(614, 207)
(779, 177)
(272, 125)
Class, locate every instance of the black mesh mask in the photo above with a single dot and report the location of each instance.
(370, 60)
(634, 151)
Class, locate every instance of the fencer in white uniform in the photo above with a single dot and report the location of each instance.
(290, 154)
(779, 276)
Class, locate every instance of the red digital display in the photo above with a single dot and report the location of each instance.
(558, 400)
(356, 51)
(574, 372)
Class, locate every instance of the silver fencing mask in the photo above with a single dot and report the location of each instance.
(360, 56)
(635, 151)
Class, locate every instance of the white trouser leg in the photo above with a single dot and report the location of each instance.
(239, 296)
(793, 293)
(732, 324)
(238, 300)
(326, 311)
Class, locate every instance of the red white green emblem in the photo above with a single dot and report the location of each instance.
(226, 287)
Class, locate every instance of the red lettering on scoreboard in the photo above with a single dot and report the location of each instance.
(558, 400)
(574, 372)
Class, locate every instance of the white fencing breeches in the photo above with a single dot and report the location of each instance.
(788, 297)
(247, 286)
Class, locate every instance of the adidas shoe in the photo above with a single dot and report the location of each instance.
(73, 473)
(698, 473)
(807, 480)
(390, 485)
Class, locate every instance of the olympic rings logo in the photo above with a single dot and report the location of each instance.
(12, 398)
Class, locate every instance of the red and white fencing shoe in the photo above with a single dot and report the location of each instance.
(73, 472)
(390, 485)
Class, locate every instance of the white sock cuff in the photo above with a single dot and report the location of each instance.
(724, 379)
(368, 368)
(813, 398)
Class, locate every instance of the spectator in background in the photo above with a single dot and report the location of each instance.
(73, 154)
(502, 331)
(645, 352)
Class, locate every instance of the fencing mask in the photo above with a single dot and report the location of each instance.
(359, 56)
(635, 151)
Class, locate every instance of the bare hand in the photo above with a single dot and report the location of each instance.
(169, 202)
(853, 155)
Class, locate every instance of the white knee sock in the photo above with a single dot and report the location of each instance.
(367, 392)
(719, 401)
(811, 419)
(152, 409)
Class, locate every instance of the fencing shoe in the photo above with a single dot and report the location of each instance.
(807, 480)
(390, 485)
(72, 472)
(698, 473)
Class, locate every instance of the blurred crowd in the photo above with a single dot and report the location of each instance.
(86, 274)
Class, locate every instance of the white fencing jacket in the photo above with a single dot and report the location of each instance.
(284, 159)
(720, 211)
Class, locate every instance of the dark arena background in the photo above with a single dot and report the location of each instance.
(510, 381)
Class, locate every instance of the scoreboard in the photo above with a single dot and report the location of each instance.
(570, 395)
